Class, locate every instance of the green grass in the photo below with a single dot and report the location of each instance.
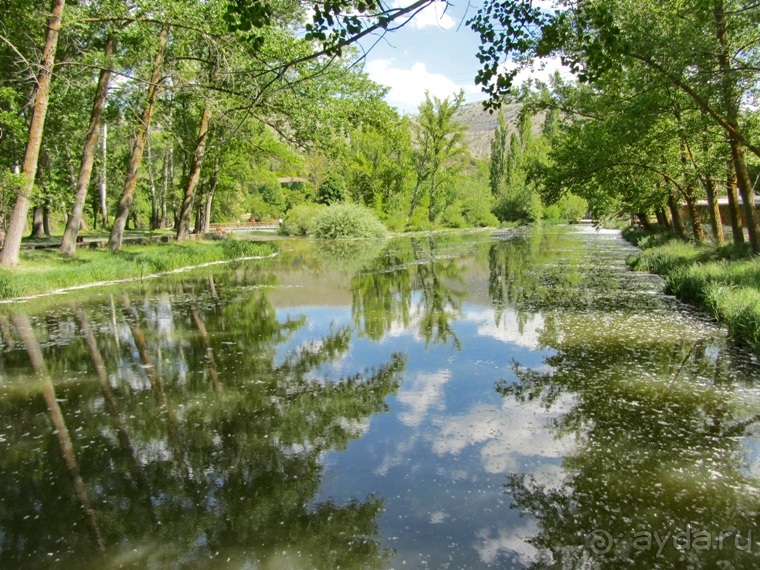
(723, 280)
(43, 271)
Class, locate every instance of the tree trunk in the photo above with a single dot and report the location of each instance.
(662, 218)
(696, 221)
(166, 177)
(38, 230)
(12, 245)
(117, 232)
(183, 228)
(748, 198)
(644, 219)
(714, 208)
(103, 176)
(210, 198)
(69, 243)
(199, 211)
(730, 100)
(675, 216)
(153, 196)
(46, 217)
(737, 228)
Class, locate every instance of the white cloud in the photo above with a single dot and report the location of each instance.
(508, 329)
(493, 542)
(408, 85)
(435, 14)
(506, 434)
(424, 393)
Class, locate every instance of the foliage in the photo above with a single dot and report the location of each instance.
(332, 190)
(522, 205)
(438, 152)
(343, 221)
(301, 220)
(570, 207)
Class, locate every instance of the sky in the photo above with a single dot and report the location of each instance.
(436, 51)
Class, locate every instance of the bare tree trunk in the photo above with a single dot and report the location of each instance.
(644, 219)
(730, 102)
(151, 179)
(714, 208)
(103, 176)
(183, 229)
(675, 216)
(748, 198)
(168, 157)
(199, 211)
(737, 228)
(662, 218)
(46, 217)
(12, 245)
(117, 231)
(69, 242)
(37, 224)
(696, 221)
(210, 198)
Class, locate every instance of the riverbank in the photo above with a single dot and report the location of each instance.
(45, 271)
(725, 281)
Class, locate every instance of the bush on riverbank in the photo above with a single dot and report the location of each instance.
(300, 220)
(725, 281)
(342, 221)
(43, 271)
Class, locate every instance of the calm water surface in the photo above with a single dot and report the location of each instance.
(468, 400)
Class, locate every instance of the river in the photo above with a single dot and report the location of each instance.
(485, 399)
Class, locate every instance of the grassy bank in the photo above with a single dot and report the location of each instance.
(43, 271)
(722, 280)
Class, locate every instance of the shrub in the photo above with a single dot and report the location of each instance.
(300, 220)
(572, 207)
(419, 221)
(524, 206)
(342, 221)
(332, 190)
(453, 217)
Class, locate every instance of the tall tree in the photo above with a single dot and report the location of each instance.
(12, 245)
(130, 184)
(439, 147)
(68, 244)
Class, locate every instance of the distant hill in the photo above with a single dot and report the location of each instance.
(481, 124)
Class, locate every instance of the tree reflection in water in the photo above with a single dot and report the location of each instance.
(191, 445)
(657, 477)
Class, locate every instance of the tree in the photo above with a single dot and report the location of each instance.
(130, 184)
(439, 146)
(68, 244)
(708, 52)
(12, 245)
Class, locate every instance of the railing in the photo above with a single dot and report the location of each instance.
(245, 227)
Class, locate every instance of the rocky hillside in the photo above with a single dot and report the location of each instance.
(481, 124)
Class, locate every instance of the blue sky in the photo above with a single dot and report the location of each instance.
(434, 51)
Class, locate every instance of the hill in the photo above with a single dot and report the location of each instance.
(481, 124)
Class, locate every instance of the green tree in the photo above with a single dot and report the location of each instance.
(439, 148)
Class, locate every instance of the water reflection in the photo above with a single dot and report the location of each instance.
(363, 405)
(656, 478)
(184, 440)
